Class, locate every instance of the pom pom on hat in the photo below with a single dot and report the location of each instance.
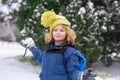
(50, 19)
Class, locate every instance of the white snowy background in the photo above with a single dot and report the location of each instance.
(12, 69)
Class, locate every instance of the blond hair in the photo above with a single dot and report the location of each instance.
(70, 37)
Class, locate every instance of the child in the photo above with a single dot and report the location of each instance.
(60, 37)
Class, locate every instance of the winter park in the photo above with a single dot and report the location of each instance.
(23, 28)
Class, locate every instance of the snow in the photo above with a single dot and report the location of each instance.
(107, 73)
(12, 69)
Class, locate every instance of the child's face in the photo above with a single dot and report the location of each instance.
(59, 34)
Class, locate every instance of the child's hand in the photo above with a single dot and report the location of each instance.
(87, 75)
(28, 43)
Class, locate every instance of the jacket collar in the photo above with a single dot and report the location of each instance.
(57, 48)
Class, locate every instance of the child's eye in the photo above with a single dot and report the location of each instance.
(62, 30)
(55, 30)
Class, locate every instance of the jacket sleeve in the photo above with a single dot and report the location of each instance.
(37, 54)
(73, 66)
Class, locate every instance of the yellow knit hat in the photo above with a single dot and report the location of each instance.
(51, 19)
